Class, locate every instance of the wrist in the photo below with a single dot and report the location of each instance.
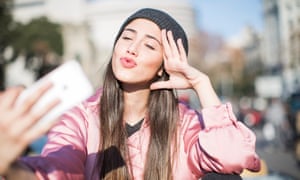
(201, 82)
(206, 92)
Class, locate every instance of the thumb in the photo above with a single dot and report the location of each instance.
(160, 85)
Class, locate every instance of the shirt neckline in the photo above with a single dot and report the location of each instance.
(134, 128)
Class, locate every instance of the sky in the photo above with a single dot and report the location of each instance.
(228, 17)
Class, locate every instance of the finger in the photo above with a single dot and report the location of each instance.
(32, 118)
(34, 97)
(39, 130)
(166, 46)
(8, 112)
(174, 48)
(181, 49)
(166, 66)
(9, 96)
(16, 114)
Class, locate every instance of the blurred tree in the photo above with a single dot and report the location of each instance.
(40, 42)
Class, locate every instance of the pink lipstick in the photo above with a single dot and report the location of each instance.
(128, 63)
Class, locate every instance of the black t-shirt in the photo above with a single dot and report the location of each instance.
(132, 129)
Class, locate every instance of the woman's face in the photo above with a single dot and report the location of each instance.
(138, 54)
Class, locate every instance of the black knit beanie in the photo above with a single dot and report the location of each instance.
(162, 19)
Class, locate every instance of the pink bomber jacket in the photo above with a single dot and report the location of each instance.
(212, 140)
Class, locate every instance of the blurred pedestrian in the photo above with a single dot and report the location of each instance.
(275, 127)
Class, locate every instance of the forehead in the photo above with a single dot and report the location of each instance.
(144, 25)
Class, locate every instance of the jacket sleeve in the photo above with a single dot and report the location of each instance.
(64, 155)
(221, 144)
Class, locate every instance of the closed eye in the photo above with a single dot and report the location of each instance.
(149, 46)
(126, 38)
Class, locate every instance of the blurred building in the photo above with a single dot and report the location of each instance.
(90, 26)
(249, 41)
(272, 47)
(230, 62)
(282, 41)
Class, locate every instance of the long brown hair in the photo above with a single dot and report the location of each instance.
(163, 116)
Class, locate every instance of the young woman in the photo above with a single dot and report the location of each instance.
(135, 128)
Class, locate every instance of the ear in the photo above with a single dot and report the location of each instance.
(160, 72)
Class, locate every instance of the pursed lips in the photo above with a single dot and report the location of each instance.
(127, 62)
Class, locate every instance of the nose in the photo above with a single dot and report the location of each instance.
(132, 49)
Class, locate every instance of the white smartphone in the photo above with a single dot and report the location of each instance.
(70, 85)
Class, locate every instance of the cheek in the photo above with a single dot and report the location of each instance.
(116, 55)
(118, 49)
(152, 66)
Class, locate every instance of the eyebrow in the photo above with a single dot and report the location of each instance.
(147, 35)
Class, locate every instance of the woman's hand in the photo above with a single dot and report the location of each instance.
(16, 122)
(181, 74)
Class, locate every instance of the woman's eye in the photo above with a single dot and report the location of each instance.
(150, 47)
(126, 38)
